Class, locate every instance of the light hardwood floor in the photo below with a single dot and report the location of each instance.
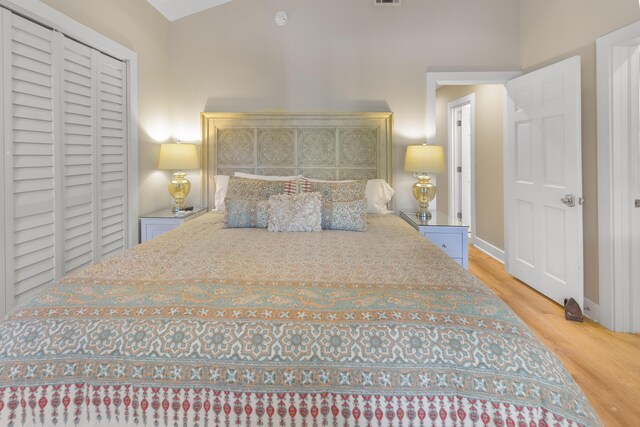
(605, 364)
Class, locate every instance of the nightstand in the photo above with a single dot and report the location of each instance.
(451, 235)
(159, 222)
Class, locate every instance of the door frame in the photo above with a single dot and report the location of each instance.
(618, 126)
(451, 153)
(435, 79)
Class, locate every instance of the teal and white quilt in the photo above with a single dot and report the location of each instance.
(213, 326)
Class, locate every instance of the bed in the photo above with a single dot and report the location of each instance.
(208, 325)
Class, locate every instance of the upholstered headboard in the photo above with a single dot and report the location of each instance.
(317, 145)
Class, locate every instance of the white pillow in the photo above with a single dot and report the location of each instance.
(267, 177)
(378, 191)
(222, 182)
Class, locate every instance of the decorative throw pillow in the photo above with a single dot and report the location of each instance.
(350, 216)
(292, 180)
(299, 212)
(378, 192)
(260, 189)
(338, 191)
(246, 213)
(344, 204)
(246, 202)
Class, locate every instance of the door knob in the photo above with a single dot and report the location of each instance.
(569, 200)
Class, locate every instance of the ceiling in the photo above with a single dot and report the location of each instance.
(176, 9)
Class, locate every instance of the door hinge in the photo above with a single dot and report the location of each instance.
(459, 215)
(637, 203)
(459, 169)
(459, 123)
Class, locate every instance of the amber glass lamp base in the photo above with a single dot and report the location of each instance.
(179, 188)
(424, 191)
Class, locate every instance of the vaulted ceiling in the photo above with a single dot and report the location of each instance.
(176, 9)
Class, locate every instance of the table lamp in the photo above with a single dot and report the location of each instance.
(178, 156)
(424, 159)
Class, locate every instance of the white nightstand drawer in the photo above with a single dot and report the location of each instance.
(448, 233)
(450, 243)
(160, 222)
(151, 229)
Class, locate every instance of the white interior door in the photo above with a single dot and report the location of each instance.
(634, 168)
(465, 158)
(543, 186)
(618, 62)
(461, 167)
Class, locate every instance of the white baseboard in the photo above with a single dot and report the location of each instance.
(591, 310)
(488, 248)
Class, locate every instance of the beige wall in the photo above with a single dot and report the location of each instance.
(489, 102)
(139, 27)
(334, 55)
(551, 30)
(339, 55)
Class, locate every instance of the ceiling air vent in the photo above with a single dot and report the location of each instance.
(386, 2)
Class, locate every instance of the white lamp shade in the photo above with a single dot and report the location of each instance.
(424, 158)
(178, 156)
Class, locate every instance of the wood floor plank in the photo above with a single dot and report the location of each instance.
(605, 364)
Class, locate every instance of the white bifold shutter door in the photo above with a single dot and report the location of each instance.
(78, 137)
(112, 151)
(64, 168)
(29, 183)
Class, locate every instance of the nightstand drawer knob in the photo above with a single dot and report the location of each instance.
(451, 243)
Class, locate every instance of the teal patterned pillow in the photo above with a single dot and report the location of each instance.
(258, 189)
(334, 191)
(247, 201)
(246, 213)
(344, 204)
(350, 216)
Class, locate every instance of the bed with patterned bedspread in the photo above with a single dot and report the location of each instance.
(207, 325)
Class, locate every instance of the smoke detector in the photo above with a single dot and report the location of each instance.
(281, 18)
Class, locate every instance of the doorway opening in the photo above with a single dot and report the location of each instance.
(436, 81)
(461, 143)
(473, 190)
(533, 228)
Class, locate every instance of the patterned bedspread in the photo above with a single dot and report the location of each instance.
(206, 325)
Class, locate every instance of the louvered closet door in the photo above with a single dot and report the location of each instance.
(64, 165)
(78, 139)
(29, 156)
(112, 152)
